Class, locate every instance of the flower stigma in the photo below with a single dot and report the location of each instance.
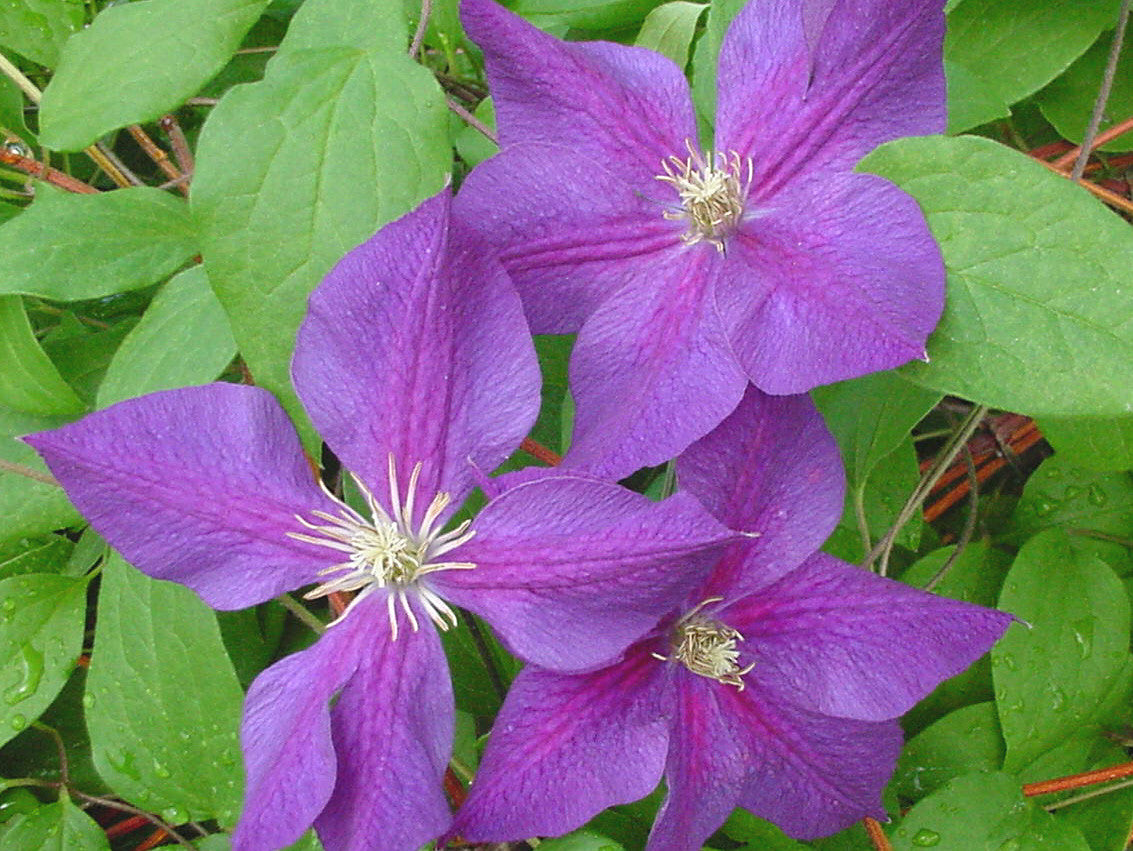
(712, 188)
(388, 552)
(708, 648)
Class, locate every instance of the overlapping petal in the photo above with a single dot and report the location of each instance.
(585, 234)
(771, 468)
(652, 370)
(846, 642)
(836, 278)
(198, 485)
(564, 748)
(809, 774)
(626, 108)
(415, 345)
(571, 571)
(392, 730)
(286, 736)
(810, 86)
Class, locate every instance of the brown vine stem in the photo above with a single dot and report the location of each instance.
(159, 157)
(422, 27)
(1111, 198)
(472, 120)
(1077, 781)
(27, 472)
(1067, 159)
(540, 452)
(126, 808)
(45, 172)
(876, 834)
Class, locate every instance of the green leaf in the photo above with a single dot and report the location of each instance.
(472, 145)
(35, 555)
(1060, 494)
(704, 58)
(585, 14)
(29, 507)
(983, 811)
(337, 139)
(68, 247)
(41, 635)
(580, 840)
(975, 577)
(961, 742)
(55, 827)
(757, 833)
(669, 29)
(871, 416)
(12, 109)
(163, 703)
(1052, 677)
(137, 61)
(38, 28)
(29, 381)
(1038, 318)
(182, 339)
(1068, 101)
(1012, 48)
(1098, 443)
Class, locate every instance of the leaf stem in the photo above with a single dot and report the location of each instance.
(1103, 93)
(969, 523)
(301, 612)
(27, 472)
(951, 449)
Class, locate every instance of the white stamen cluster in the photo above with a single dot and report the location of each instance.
(388, 552)
(712, 189)
(708, 648)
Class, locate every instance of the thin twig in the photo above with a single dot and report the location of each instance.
(126, 808)
(27, 472)
(159, 157)
(1103, 93)
(45, 173)
(969, 523)
(1067, 159)
(114, 167)
(17, 76)
(540, 452)
(1111, 198)
(301, 612)
(858, 498)
(951, 449)
(181, 150)
(1085, 796)
(472, 120)
(1101, 536)
(422, 26)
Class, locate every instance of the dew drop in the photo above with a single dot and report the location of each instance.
(925, 838)
(88, 701)
(1011, 844)
(1096, 496)
(160, 770)
(1084, 636)
(174, 815)
(1073, 491)
(1008, 661)
(1057, 699)
(31, 672)
(18, 722)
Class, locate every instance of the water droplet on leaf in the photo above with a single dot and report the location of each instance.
(31, 672)
(925, 838)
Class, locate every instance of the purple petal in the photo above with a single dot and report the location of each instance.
(837, 279)
(286, 734)
(807, 773)
(571, 571)
(771, 468)
(564, 748)
(415, 345)
(846, 642)
(393, 737)
(624, 107)
(652, 369)
(875, 74)
(199, 486)
(569, 232)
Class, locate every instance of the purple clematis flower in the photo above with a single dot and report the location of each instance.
(774, 687)
(689, 268)
(416, 365)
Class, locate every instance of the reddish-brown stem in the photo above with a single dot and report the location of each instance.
(1067, 159)
(45, 172)
(127, 825)
(1077, 781)
(159, 157)
(1026, 439)
(181, 151)
(1111, 198)
(876, 834)
(540, 452)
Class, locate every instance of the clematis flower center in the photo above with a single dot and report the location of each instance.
(708, 648)
(712, 188)
(387, 552)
